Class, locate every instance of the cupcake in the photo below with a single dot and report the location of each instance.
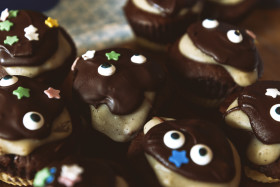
(157, 23)
(35, 46)
(117, 89)
(79, 172)
(228, 10)
(252, 117)
(34, 128)
(212, 60)
(185, 153)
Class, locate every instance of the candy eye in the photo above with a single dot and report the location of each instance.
(234, 36)
(106, 69)
(33, 120)
(210, 23)
(275, 112)
(201, 154)
(8, 80)
(138, 59)
(174, 139)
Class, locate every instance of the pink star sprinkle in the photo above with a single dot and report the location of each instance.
(4, 15)
(52, 93)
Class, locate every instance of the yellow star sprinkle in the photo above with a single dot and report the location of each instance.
(51, 22)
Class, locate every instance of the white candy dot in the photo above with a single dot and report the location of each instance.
(106, 69)
(234, 36)
(275, 112)
(8, 80)
(209, 23)
(174, 139)
(138, 59)
(201, 154)
(33, 120)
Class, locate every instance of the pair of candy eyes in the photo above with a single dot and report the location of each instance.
(234, 36)
(108, 69)
(200, 154)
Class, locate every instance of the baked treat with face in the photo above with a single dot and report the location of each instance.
(213, 59)
(190, 153)
(253, 120)
(34, 45)
(77, 171)
(34, 124)
(157, 23)
(119, 88)
(228, 10)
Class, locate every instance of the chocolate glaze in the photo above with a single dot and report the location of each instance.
(214, 42)
(13, 109)
(25, 52)
(220, 170)
(171, 7)
(122, 92)
(256, 105)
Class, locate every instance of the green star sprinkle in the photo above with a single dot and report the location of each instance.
(6, 25)
(13, 13)
(113, 55)
(10, 40)
(21, 92)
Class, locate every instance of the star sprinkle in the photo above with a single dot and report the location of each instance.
(88, 55)
(4, 15)
(178, 158)
(6, 25)
(70, 174)
(21, 92)
(30, 33)
(13, 13)
(75, 63)
(52, 93)
(273, 92)
(113, 55)
(51, 22)
(10, 40)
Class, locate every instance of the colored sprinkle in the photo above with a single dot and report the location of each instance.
(51, 22)
(6, 25)
(13, 13)
(4, 15)
(10, 40)
(113, 55)
(52, 93)
(21, 92)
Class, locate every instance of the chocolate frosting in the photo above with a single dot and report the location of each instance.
(221, 169)
(13, 109)
(25, 52)
(171, 7)
(253, 102)
(214, 42)
(123, 91)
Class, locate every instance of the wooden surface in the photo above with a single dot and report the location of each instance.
(265, 23)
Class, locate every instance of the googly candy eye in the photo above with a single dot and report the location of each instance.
(8, 80)
(275, 112)
(106, 69)
(201, 154)
(33, 120)
(174, 139)
(210, 23)
(138, 59)
(234, 36)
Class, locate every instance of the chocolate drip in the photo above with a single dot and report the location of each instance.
(214, 42)
(25, 52)
(123, 91)
(12, 110)
(221, 169)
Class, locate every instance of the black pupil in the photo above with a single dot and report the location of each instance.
(175, 135)
(35, 117)
(7, 77)
(277, 110)
(202, 151)
(137, 55)
(237, 32)
(106, 65)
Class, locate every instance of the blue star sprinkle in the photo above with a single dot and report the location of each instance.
(178, 158)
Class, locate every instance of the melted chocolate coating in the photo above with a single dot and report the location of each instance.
(13, 109)
(214, 42)
(25, 52)
(253, 102)
(221, 169)
(123, 91)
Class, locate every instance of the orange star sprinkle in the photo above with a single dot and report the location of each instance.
(51, 22)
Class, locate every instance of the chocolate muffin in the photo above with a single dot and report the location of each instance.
(35, 46)
(34, 128)
(252, 118)
(117, 89)
(186, 153)
(157, 23)
(212, 60)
